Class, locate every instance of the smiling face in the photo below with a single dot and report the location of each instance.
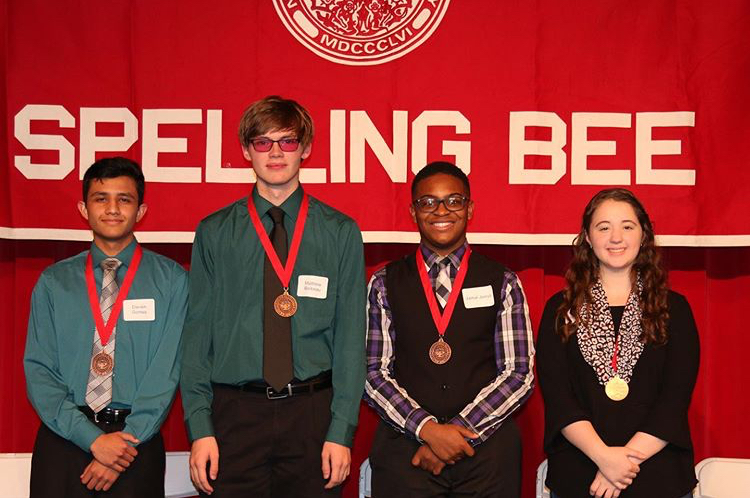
(112, 210)
(615, 236)
(276, 169)
(442, 231)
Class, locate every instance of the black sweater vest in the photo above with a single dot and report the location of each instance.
(443, 390)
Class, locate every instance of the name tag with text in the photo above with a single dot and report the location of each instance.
(312, 286)
(478, 297)
(139, 310)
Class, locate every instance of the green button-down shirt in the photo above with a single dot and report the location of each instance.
(61, 333)
(223, 336)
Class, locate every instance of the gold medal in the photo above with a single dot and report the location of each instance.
(285, 305)
(102, 364)
(616, 389)
(440, 352)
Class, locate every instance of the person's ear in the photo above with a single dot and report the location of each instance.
(82, 209)
(141, 212)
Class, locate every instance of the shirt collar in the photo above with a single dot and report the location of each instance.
(97, 255)
(430, 258)
(290, 206)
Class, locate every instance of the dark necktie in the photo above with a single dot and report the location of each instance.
(277, 330)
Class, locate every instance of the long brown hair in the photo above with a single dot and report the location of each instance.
(584, 271)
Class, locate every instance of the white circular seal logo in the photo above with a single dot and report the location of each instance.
(361, 32)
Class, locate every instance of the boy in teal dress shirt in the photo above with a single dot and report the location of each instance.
(102, 404)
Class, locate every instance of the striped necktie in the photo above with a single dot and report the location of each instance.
(99, 387)
(443, 281)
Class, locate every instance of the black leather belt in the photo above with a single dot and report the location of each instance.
(107, 415)
(314, 384)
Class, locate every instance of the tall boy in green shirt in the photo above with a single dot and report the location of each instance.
(273, 363)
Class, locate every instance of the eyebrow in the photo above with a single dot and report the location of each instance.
(623, 221)
(103, 192)
(264, 137)
(436, 197)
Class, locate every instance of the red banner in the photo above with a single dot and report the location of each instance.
(542, 103)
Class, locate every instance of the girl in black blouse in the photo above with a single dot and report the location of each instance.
(617, 360)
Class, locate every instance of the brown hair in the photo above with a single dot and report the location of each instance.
(275, 113)
(583, 272)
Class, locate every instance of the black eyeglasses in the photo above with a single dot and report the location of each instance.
(264, 144)
(429, 204)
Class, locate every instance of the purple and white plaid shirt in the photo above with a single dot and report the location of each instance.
(514, 357)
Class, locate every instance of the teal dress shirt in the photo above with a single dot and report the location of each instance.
(61, 333)
(223, 336)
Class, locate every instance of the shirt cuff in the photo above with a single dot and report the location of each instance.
(85, 436)
(341, 432)
(459, 420)
(416, 420)
(129, 429)
(670, 427)
(199, 425)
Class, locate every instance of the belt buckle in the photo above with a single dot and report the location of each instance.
(96, 417)
(271, 394)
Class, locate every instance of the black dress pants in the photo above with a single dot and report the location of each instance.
(494, 470)
(270, 448)
(57, 464)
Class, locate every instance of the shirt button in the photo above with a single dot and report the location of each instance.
(444, 387)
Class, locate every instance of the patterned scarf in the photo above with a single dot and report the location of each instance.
(596, 334)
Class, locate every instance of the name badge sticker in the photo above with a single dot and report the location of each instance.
(139, 310)
(312, 286)
(478, 297)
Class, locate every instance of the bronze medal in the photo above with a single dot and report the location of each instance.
(616, 389)
(440, 352)
(285, 305)
(102, 364)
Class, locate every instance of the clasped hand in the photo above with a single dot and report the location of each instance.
(112, 456)
(445, 444)
(425, 459)
(618, 466)
(112, 450)
(98, 477)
